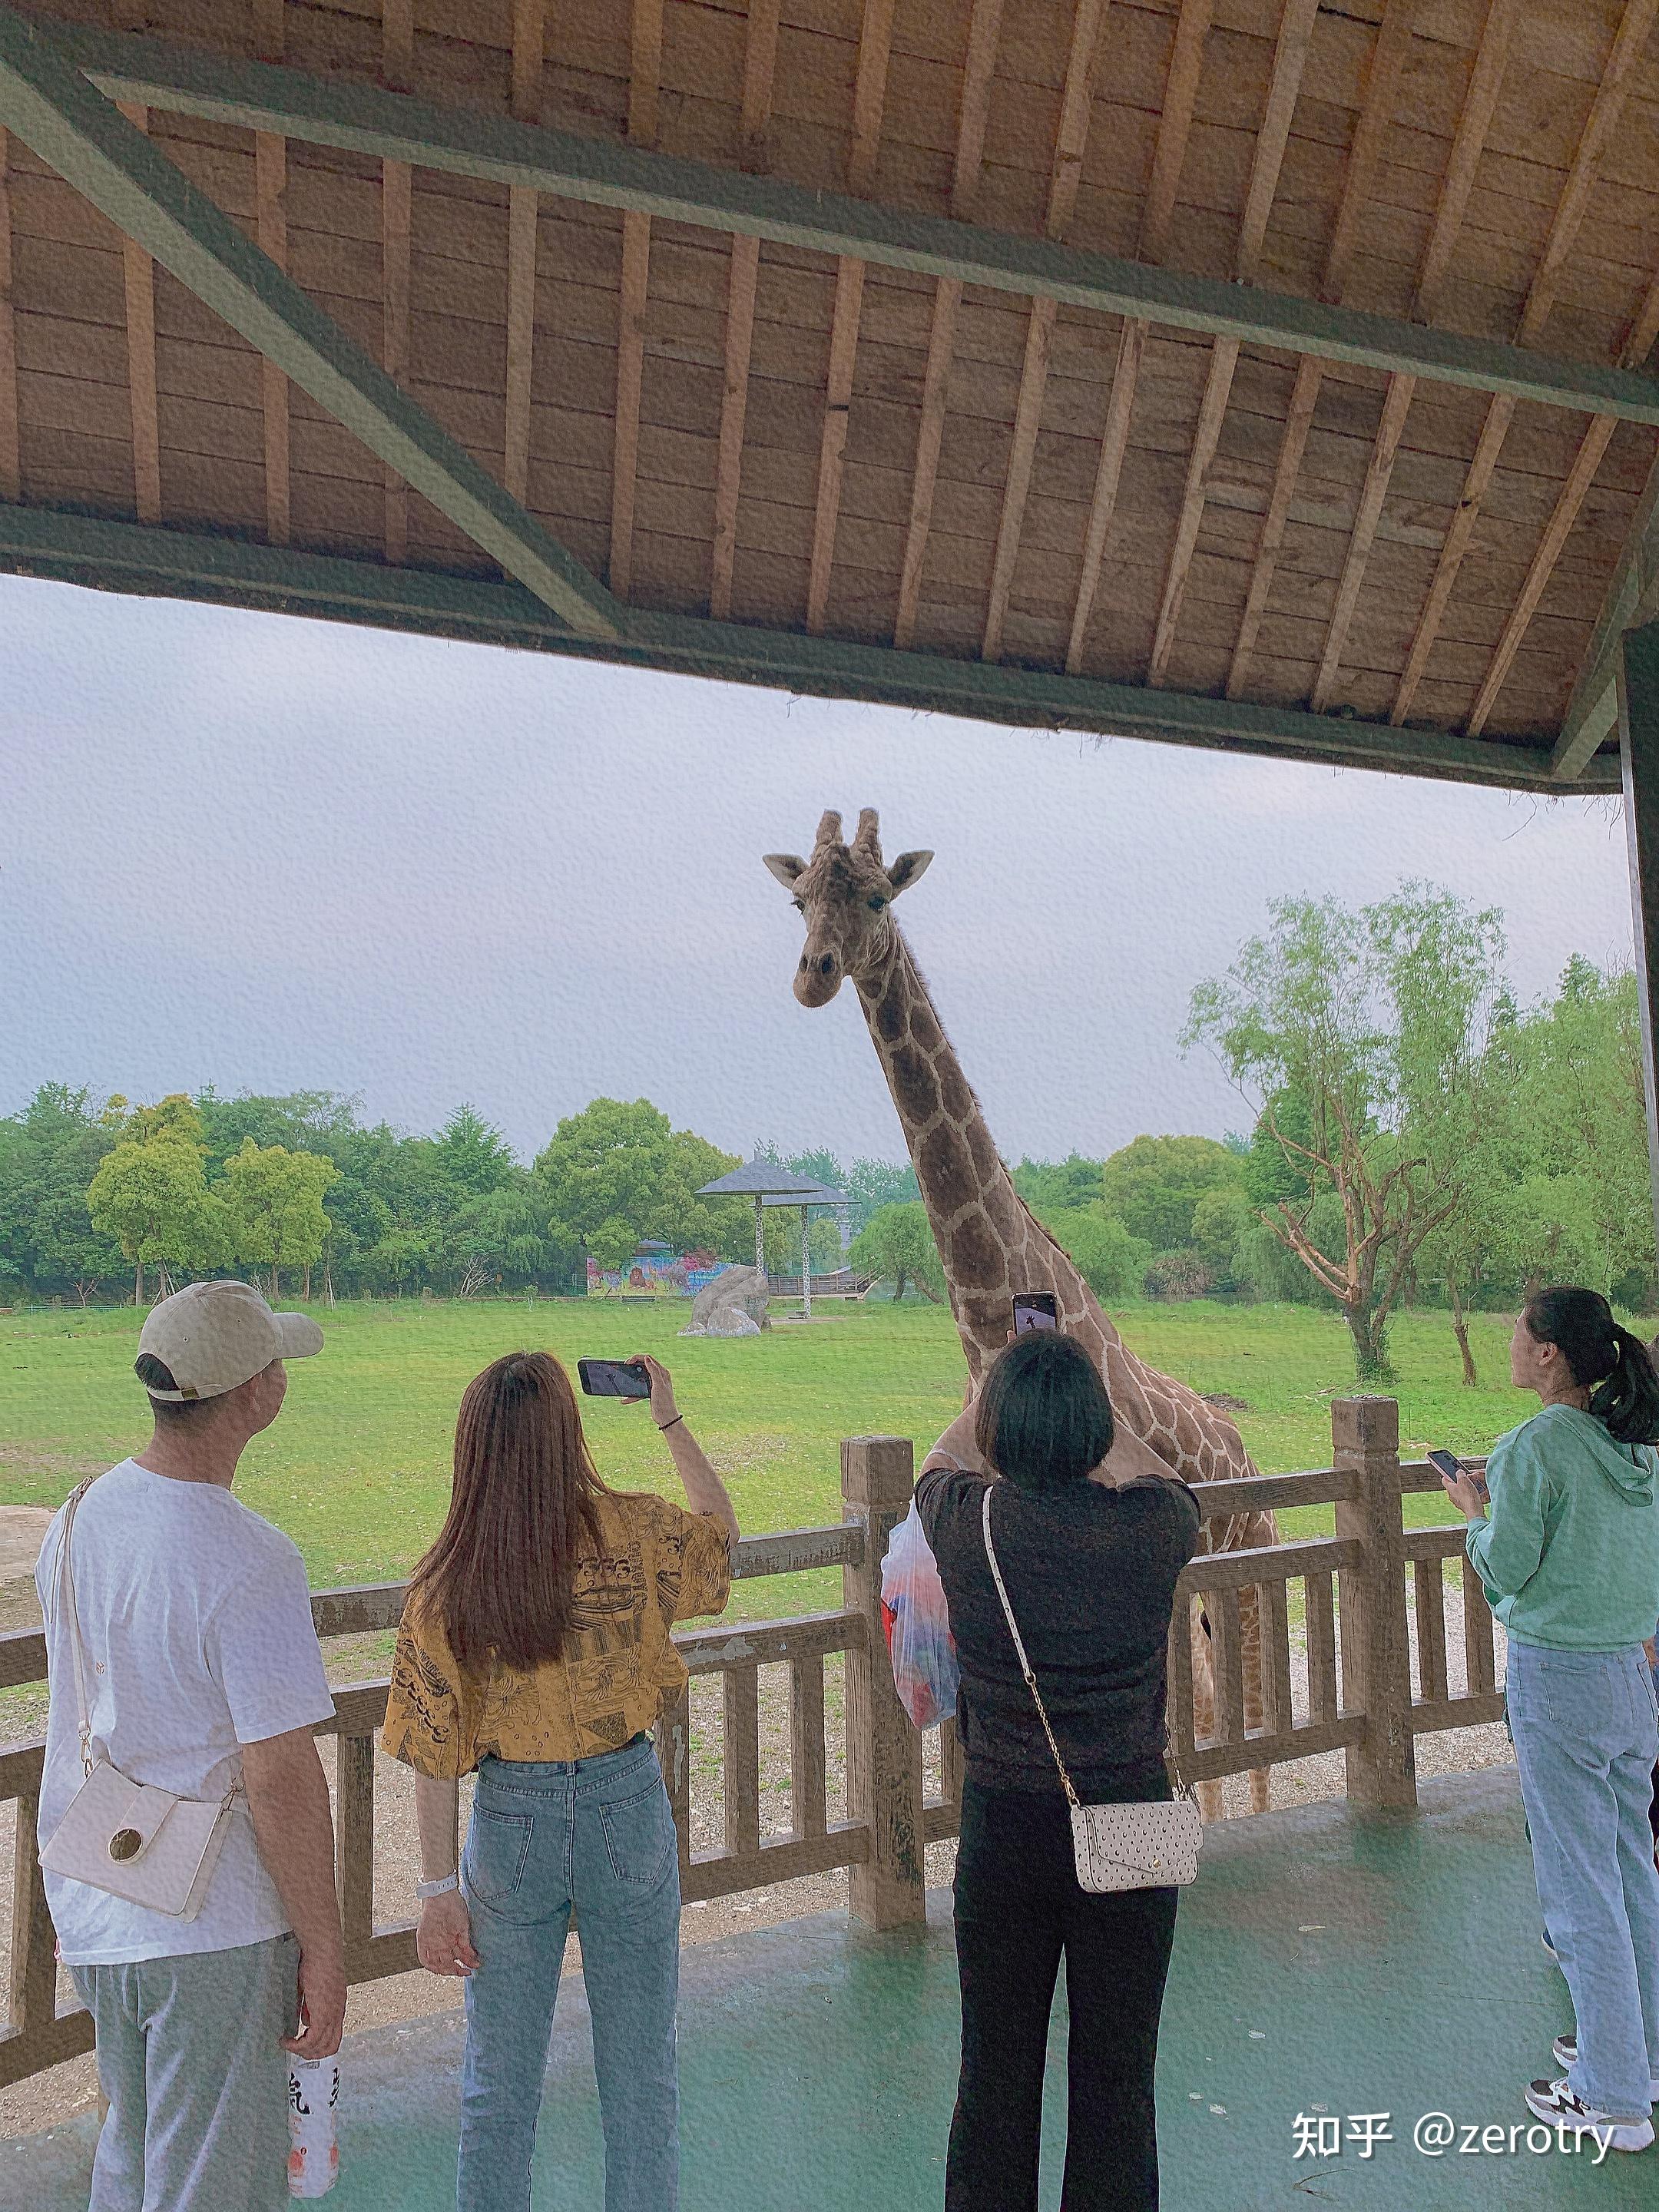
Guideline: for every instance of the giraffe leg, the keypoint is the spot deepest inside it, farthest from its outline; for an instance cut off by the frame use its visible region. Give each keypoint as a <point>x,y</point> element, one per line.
<point>1210,1802</point>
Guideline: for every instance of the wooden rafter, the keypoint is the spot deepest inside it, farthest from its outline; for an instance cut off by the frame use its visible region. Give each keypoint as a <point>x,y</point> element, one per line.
<point>270,229</point>
<point>645,78</point>
<point>869,100</point>
<point>1289,59</point>
<point>1173,128</point>
<point>10,460</point>
<point>984,29</point>
<point>1480,102</point>
<point>1629,44</point>
<point>760,65</point>
<point>138,286</point>
<point>1638,346</point>
<point>397,209</point>
<point>69,124</point>
<point>463,141</point>
<point>523,206</point>
<point>1388,61</point>
<point>1071,140</point>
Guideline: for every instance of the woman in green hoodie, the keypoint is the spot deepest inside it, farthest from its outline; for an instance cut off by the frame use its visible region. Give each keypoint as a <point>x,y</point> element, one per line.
<point>1569,1560</point>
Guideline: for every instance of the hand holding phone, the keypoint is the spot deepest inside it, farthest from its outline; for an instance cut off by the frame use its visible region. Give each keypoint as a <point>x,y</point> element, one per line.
<point>613,1379</point>
<point>1451,1467</point>
<point>1034,1309</point>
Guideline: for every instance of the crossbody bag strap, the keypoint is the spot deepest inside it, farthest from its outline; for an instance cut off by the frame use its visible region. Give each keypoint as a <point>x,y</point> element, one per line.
<point>66,1599</point>
<point>1019,1648</point>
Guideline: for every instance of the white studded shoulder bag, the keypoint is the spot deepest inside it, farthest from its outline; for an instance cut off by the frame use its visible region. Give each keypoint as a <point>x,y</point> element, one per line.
<point>137,1842</point>
<point>1153,1845</point>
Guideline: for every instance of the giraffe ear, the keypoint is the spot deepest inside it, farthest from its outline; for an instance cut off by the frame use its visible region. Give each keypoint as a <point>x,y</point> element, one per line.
<point>907,869</point>
<point>788,867</point>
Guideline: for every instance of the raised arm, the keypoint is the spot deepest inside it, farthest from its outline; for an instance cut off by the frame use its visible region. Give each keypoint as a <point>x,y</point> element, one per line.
<point>704,1491</point>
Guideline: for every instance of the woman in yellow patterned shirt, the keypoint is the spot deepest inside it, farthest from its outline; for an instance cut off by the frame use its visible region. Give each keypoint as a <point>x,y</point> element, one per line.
<point>535,1648</point>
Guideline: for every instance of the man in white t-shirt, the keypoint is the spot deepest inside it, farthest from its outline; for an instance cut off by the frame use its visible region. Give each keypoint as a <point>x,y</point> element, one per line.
<point>200,1660</point>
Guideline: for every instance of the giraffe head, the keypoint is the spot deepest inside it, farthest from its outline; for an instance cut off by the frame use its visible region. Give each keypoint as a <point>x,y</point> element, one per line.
<point>846,896</point>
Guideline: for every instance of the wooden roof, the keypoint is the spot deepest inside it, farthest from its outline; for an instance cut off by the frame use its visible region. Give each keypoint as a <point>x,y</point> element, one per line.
<point>1256,373</point>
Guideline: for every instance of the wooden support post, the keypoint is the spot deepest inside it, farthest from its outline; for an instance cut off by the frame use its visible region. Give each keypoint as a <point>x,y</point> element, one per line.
<point>353,1838</point>
<point>884,1751</point>
<point>1376,1649</point>
<point>806,1267</point>
<point>1639,742</point>
<point>33,1995</point>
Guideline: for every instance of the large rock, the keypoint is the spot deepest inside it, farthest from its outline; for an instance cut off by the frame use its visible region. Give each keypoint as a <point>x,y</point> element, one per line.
<point>742,1290</point>
<point>730,1321</point>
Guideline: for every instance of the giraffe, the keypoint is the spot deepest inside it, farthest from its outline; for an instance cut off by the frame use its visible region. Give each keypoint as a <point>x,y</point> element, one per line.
<point>989,1240</point>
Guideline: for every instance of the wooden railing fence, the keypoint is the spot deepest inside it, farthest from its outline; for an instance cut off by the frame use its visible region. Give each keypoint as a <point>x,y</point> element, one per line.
<point>1361,1592</point>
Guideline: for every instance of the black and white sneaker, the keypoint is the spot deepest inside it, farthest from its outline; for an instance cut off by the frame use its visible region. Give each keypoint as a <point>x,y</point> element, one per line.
<point>1566,2054</point>
<point>1554,2102</point>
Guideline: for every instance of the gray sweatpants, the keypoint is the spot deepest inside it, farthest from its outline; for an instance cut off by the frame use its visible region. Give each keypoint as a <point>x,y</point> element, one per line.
<point>189,2057</point>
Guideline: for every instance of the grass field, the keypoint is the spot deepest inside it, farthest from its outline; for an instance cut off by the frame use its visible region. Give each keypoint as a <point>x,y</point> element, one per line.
<point>356,1470</point>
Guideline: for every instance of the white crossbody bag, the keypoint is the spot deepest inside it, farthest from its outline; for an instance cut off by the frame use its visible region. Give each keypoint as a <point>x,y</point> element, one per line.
<point>1133,1846</point>
<point>137,1842</point>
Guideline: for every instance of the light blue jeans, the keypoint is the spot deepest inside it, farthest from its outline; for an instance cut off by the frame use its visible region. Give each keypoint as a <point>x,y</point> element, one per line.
<point>597,1833</point>
<point>1586,1730</point>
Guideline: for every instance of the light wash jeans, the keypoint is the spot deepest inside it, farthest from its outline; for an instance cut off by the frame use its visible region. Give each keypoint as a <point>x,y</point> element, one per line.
<point>1586,1730</point>
<point>597,1833</point>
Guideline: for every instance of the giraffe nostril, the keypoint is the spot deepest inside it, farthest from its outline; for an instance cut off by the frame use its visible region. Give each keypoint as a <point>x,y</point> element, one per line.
<point>827,965</point>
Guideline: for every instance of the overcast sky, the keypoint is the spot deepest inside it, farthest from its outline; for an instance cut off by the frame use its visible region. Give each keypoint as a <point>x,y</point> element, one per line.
<point>273,854</point>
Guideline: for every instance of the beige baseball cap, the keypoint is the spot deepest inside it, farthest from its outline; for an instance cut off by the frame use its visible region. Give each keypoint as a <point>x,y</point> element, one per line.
<point>214,1336</point>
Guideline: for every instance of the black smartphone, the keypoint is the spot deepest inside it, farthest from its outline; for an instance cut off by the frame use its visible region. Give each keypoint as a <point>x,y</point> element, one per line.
<point>1449,1463</point>
<point>613,1379</point>
<point>1034,1309</point>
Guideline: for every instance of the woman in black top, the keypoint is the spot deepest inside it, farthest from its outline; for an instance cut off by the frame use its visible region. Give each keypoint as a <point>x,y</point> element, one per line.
<point>1092,1531</point>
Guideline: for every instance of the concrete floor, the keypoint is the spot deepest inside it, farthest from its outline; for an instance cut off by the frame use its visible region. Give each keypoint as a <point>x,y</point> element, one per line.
<point>1382,1964</point>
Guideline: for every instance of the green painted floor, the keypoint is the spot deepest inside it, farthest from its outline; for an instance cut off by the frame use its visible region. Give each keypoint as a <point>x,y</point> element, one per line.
<point>1363,1966</point>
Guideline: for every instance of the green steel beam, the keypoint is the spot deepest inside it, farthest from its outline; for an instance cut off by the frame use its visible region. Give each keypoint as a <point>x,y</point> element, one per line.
<point>1632,599</point>
<point>54,110</point>
<point>363,119</point>
<point>131,557</point>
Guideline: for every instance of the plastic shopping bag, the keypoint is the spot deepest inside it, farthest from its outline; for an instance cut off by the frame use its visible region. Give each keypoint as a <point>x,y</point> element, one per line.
<point>918,1626</point>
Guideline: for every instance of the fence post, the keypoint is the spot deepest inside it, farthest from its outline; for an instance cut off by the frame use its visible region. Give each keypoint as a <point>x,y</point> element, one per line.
<point>1376,1649</point>
<point>883,1749</point>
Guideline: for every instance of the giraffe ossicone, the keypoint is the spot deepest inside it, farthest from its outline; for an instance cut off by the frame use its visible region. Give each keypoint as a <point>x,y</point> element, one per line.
<point>989,1242</point>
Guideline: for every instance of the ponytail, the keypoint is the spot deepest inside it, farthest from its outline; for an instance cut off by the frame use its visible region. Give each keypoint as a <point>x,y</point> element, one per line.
<point>1616,1366</point>
<point>1628,1401</point>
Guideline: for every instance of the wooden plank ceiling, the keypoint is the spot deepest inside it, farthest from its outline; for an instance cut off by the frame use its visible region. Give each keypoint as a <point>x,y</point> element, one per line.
<point>725,428</point>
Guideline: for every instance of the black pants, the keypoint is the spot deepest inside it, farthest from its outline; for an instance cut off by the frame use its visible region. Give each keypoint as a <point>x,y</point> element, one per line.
<point>1018,1907</point>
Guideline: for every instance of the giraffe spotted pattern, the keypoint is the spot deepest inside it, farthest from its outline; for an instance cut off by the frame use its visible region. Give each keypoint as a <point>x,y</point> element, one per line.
<point>988,1241</point>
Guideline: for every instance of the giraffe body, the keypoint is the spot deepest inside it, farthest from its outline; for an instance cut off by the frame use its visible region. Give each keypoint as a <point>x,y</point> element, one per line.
<point>989,1242</point>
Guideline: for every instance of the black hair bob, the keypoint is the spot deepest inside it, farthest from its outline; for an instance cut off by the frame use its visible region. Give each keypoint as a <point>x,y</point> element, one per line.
<point>1043,1419</point>
<point>1614,1365</point>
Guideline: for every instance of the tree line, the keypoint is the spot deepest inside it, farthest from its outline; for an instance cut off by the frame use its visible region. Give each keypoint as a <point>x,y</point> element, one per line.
<point>102,1199</point>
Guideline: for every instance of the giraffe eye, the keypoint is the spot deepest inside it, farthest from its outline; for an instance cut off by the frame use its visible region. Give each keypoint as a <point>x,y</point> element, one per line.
<point>877,904</point>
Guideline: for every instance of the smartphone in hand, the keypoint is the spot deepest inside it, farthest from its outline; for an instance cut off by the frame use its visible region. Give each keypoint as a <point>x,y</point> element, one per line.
<point>613,1379</point>
<point>1448,1464</point>
<point>1034,1309</point>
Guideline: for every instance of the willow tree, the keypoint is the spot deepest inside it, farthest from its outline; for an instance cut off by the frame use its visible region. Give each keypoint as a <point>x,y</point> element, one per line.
<point>1359,1037</point>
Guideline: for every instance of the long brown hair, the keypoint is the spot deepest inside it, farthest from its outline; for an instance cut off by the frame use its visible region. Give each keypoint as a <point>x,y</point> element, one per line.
<point>499,1580</point>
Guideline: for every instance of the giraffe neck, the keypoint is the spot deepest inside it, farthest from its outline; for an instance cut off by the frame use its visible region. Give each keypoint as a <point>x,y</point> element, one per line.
<point>988,1240</point>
